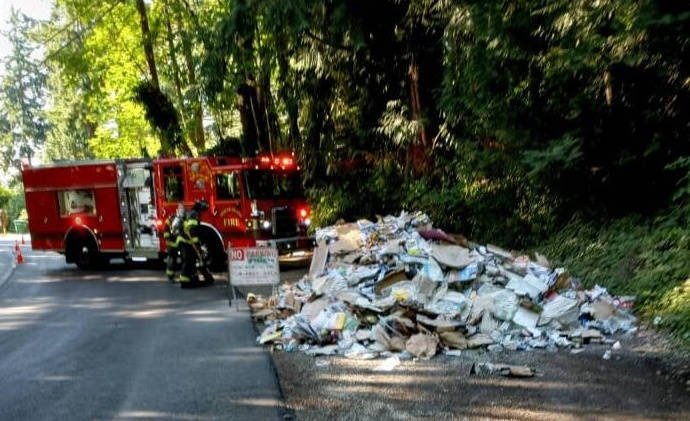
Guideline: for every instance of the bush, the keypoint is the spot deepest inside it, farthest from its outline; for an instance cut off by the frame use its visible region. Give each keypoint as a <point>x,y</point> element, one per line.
<point>506,210</point>
<point>641,256</point>
<point>13,202</point>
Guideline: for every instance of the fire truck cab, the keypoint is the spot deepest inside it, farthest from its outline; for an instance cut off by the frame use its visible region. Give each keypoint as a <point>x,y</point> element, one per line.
<point>93,211</point>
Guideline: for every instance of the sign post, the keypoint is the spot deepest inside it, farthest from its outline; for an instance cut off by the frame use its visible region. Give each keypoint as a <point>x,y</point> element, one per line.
<point>252,266</point>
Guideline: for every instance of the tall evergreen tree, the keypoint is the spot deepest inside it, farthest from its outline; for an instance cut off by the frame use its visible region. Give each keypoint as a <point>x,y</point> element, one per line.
<point>22,93</point>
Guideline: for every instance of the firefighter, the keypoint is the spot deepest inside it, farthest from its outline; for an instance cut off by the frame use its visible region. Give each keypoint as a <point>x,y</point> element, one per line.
<point>171,233</point>
<point>191,253</point>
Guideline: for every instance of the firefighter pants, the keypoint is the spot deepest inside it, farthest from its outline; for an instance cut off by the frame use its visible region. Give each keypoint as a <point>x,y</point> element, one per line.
<point>172,263</point>
<point>189,276</point>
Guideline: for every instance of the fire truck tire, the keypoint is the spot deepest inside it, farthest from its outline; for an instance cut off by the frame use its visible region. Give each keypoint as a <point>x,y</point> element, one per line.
<point>212,250</point>
<point>82,250</point>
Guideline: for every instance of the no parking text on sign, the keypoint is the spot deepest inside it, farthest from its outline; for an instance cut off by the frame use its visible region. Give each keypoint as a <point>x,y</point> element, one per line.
<point>253,266</point>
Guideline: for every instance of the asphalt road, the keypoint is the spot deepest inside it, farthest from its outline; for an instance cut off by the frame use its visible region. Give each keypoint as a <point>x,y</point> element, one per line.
<point>126,344</point>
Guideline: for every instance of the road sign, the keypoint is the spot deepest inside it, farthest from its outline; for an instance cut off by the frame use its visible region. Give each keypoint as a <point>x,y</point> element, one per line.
<point>253,266</point>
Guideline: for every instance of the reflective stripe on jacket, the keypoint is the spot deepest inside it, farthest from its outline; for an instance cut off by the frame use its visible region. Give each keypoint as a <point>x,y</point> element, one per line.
<point>189,230</point>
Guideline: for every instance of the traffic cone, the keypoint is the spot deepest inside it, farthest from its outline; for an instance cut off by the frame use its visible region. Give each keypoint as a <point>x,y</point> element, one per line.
<point>23,243</point>
<point>20,258</point>
<point>16,245</point>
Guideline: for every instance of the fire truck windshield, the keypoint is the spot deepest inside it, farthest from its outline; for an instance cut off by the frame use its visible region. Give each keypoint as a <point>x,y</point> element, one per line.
<point>267,184</point>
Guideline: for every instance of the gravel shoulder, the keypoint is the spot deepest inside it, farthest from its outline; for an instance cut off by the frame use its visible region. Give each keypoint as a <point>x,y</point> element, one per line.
<point>636,384</point>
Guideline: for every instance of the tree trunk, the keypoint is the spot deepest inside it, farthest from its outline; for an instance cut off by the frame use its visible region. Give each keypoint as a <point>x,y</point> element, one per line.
<point>173,61</point>
<point>198,113</point>
<point>313,150</point>
<point>415,101</point>
<point>417,151</point>
<point>287,95</point>
<point>268,114</point>
<point>608,87</point>
<point>176,75</point>
<point>167,149</point>
<point>265,106</point>
<point>247,105</point>
<point>148,42</point>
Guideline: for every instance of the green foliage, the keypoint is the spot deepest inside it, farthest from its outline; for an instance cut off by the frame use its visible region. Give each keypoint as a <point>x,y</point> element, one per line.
<point>682,164</point>
<point>22,122</point>
<point>5,197</point>
<point>633,256</point>
<point>396,126</point>
<point>94,54</point>
<point>459,199</point>
<point>160,112</point>
<point>591,95</point>
<point>13,202</point>
<point>328,205</point>
<point>563,153</point>
<point>227,147</point>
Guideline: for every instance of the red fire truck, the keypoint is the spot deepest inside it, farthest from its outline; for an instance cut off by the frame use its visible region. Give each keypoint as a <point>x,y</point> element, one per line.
<point>93,211</point>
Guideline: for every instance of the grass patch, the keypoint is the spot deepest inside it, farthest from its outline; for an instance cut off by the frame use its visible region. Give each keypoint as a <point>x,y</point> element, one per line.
<point>633,256</point>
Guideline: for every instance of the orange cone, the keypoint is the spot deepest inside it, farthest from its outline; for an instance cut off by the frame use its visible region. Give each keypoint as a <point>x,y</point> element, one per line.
<point>20,258</point>
<point>23,243</point>
<point>16,245</point>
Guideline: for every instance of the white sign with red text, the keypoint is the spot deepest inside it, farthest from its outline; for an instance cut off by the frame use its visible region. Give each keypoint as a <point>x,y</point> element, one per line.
<point>253,266</point>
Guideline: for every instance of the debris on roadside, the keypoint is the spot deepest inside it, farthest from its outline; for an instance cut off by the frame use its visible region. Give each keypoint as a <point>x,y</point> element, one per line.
<point>502,369</point>
<point>388,364</point>
<point>322,363</point>
<point>401,288</point>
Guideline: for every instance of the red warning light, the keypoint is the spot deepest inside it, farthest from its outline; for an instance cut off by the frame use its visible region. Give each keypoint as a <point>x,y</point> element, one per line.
<point>277,162</point>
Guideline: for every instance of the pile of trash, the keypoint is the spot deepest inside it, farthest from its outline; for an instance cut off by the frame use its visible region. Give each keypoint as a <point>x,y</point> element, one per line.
<point>401,287</point>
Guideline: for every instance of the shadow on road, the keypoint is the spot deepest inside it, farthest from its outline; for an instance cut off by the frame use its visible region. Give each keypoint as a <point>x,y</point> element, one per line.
<point>124,343</point>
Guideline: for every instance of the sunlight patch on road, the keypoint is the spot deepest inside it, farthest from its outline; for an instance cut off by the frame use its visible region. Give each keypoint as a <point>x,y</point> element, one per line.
<point>18,316</point>
<point>208,319</point>
<point>383,379</point>
<point>200,312</point>
<point>267,402</point>
<point>559,412</point>
<point>124,415</point>
<point>143,314</point>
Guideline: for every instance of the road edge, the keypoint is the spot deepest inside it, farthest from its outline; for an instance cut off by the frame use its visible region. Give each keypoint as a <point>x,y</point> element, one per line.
<point>285,412</point>
<point>8,258</point>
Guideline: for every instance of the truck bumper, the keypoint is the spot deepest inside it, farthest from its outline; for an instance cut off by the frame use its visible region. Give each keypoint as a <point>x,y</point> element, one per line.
<point>294,251</point>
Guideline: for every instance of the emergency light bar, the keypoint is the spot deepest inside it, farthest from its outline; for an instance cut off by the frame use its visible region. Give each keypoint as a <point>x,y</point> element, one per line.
<point>282,161</point>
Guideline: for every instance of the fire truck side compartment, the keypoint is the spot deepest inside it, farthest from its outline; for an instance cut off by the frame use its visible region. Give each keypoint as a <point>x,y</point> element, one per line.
<point>50,227</point>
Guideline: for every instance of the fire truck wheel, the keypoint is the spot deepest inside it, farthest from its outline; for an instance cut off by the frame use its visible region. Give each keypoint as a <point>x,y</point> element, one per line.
<point>85,254</point>
<point>212,250</point>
